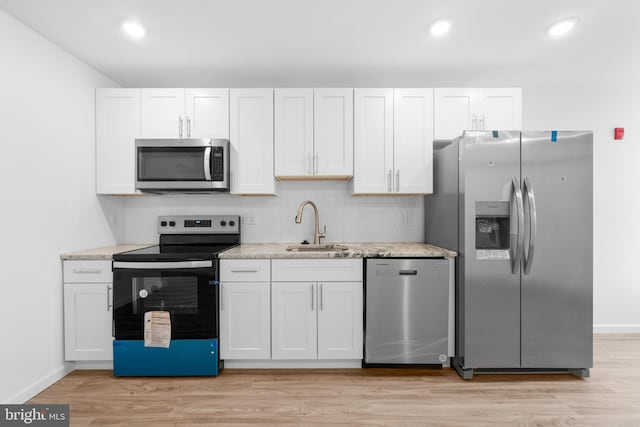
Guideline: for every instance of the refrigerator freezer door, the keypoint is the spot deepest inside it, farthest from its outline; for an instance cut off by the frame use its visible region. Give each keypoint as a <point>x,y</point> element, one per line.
<point>488,290</point>
<point>557,291</point>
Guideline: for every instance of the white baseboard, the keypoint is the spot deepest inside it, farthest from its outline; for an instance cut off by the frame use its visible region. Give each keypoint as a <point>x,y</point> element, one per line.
<point>31,390</point>
<point>94,364</point>
<point>616,328</point>
<point>293,364</point>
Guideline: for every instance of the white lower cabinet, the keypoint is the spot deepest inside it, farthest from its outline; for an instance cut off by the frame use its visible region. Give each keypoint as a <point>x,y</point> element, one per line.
<point>321,318</point>
<point>245,309</point>
<point>88,310</point>
<point>340,320</point>
<point>317,320</point>
<point>245,315</point>
<point>294,321</point>
<point>308,310</point>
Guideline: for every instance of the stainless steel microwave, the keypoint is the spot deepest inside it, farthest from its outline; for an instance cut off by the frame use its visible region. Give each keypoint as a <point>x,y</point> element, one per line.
<point>183,165</point>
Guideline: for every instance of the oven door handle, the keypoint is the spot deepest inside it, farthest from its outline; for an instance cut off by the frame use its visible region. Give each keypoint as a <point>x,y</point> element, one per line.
<point>162,265</point>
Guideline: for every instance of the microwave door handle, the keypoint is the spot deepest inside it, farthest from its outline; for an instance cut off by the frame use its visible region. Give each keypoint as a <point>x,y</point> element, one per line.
<point>207,163</point>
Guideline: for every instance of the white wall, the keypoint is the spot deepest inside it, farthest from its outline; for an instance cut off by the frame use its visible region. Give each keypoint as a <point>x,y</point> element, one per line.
<point>348,219</point>
<point>48,199</point>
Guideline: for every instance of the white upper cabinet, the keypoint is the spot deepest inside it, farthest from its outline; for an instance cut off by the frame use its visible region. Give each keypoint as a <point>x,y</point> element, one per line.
<point>163,113</point>
<point>460,109</point>
<point>333,132</point>
<point>185,113</point>
<point>393,141</point>
<point>294,132</point>
<point>251,138</point>
<point>117,127</point>
<point>207,113</point>
<point>500,109</point>
<point>314,133</point>
<point>373,136</point>
<point>413,141</point>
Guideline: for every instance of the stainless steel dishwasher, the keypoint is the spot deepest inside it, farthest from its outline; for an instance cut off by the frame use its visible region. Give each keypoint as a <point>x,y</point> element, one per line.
<point>408,311</point>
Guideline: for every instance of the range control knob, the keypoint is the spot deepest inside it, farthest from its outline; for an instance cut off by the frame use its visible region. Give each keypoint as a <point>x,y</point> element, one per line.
<point>172,223</point>
<point>223,223</point>
<point>232,223</point>
<point>163,223</point>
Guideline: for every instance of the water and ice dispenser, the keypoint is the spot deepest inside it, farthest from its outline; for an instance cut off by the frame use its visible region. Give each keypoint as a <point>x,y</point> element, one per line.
<point>492,230</point>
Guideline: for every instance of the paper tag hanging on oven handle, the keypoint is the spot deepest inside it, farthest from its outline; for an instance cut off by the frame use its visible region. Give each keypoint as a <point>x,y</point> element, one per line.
<point>157,329</point>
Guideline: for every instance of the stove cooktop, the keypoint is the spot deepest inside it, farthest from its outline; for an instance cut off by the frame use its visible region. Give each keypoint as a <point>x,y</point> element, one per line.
<point>189,238</point>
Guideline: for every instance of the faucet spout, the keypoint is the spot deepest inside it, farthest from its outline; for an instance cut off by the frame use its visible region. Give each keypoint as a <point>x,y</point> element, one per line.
<point>316,234</point>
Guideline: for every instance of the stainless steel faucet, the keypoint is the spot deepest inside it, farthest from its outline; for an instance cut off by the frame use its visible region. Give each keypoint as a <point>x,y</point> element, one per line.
<point>316,234</point>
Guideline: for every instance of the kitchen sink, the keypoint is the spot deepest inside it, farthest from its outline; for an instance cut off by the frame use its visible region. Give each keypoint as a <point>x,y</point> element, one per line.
<point>321,248</point>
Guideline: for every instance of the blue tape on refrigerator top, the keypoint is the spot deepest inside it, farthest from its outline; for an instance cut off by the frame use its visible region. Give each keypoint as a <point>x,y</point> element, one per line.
<point>554,136</point>
<point>182,358</point>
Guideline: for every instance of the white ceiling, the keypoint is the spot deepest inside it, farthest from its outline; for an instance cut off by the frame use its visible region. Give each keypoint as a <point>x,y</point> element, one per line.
<point>343,42</point>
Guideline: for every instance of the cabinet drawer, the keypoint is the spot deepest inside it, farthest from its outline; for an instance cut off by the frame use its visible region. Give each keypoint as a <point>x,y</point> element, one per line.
<point>90,271</point>
<point>317,270</point>
<point>245,270</point>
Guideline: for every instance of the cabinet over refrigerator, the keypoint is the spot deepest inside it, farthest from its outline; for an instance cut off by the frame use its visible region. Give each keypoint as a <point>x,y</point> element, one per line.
<point>518,208</point>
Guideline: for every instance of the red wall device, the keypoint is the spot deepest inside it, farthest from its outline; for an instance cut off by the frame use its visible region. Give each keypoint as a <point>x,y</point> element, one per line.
<point>618,133</point>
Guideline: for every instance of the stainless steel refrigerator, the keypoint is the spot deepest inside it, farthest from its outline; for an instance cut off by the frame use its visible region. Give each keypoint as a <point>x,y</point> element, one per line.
<point>518,208</point>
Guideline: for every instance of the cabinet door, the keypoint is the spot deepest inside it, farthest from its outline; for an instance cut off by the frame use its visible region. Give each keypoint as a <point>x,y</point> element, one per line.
<point>413,141</point>
<point>162,113</point>
<point>293,320</point>
<point>251,137</point>
<point>293,132</point>
<point>117,127</point>
<point>245,320</point>
<point>340,312</point>
<point>500,109</point>
<point>373,141</point>
<point>207,113</point>
<point>333,132</point>
<point>87,321</point>
<point>456,110</point>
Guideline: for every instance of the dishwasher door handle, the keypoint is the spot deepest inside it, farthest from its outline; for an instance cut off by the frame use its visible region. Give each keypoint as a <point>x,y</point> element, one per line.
<point>408,272</point>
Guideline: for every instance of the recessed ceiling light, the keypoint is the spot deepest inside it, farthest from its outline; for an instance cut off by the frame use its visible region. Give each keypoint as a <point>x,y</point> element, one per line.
<point>440,27</point>
<point>562,27</point>
<point>133,30</point>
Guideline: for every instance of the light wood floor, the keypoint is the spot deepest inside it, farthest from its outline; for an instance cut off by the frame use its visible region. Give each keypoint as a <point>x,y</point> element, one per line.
<point>611,397</point>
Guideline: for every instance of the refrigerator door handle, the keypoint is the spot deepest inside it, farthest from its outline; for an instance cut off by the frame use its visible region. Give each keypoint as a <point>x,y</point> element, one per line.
<point>515,262</point>
<point>533,223</point>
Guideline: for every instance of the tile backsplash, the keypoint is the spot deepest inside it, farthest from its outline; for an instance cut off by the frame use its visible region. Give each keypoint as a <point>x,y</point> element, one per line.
<point>271,218</point>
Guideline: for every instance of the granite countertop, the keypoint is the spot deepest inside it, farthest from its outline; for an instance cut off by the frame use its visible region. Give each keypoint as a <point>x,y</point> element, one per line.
<point>356,250</point>
<point>103,253</point>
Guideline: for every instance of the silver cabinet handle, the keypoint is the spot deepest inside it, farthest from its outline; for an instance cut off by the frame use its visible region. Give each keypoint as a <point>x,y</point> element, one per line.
<point>310,164</point>
<point>188,127</point>
<point>397,180</point>
<point>315,164</point>
<point>389,175</point>
<point>321,297</point>
<point>515,262</point>
<point>87,270</point>
<point>221,296</point>
<point>180,127</point>
<point>244,271</point>
<point>312,289</point>
<point>482,123</point>
<point>474,122</point>
<point>109,304</point>
<point>533,224</point>
<point>207,163</point>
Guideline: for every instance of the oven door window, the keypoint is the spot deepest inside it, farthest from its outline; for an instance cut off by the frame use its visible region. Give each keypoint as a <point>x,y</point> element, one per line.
<point>171,164</point>
<point>190,295</point>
